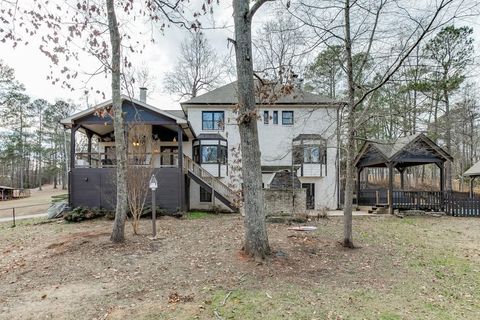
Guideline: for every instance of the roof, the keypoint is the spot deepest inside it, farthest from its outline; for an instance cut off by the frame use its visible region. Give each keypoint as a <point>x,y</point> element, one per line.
<point>390,151</point>
<point>210,136</point>
<point>474,170</point>
<point>177,115</point>
<point>308,136</point>
<point>227,94</point>
<point>8,188</point>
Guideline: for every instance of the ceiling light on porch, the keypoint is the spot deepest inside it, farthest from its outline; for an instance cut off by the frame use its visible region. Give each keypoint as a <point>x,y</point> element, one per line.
<point>174,139</point>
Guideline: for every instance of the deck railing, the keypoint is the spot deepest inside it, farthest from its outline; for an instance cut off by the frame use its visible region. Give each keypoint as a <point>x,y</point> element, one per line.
<point>108,159</point>
<point>211,180</point>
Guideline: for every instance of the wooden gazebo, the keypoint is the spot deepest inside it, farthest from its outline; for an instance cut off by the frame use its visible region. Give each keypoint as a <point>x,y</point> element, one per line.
<point>472,173</point>
<point>409,151</point>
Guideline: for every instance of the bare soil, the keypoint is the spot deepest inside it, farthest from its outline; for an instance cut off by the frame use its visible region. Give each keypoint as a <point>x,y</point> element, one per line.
<point>411,268</point>
<point>38,202</point>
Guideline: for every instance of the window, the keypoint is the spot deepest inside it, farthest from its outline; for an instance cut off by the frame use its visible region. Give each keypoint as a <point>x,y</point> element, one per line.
<point>287,117</point>
<point>275,117</point>
<point>266,117</point>
<point>213,120</point>
<point>205,195</point>
<point>211,154</point>
<point>309,154</point>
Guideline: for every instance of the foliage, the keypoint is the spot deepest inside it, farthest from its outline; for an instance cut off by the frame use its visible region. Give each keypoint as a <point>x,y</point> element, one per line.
<point>81,213</point>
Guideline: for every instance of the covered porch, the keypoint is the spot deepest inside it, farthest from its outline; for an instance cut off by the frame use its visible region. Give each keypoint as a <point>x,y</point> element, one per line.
<point>155,139</point>
<point>406,152</point>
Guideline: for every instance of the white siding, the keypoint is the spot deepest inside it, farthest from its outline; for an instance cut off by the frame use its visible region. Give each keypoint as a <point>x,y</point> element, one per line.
<point>276,141</point>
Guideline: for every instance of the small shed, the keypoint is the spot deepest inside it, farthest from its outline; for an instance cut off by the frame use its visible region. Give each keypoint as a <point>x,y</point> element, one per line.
<point>6,193</point>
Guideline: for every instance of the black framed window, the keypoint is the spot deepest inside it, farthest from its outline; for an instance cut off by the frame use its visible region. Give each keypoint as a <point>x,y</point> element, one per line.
<point>275,117</point>
<point>266,117</point>
<point>211,154</point>
<point>309,154</point>
<point>205,195</point>
<point>287,117</point>
<point>213,120</point>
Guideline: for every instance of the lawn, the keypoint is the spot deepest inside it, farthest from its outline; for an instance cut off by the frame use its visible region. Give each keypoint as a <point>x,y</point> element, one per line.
<point>411,268</point>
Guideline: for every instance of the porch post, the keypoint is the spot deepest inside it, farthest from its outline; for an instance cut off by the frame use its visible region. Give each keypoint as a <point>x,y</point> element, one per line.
<point>89,147</point>
<point>180,167</point>
<point>359,173</point>
<point>72,145</point>
<point>390,187</point>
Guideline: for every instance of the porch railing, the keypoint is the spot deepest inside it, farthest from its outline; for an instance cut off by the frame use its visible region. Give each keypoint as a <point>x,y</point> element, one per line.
<point>108,160</point>
<point>211,180</point>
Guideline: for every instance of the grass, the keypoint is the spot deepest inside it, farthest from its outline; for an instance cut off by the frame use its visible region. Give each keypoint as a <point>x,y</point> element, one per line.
<point>412,268</point>
<point>192,215</point>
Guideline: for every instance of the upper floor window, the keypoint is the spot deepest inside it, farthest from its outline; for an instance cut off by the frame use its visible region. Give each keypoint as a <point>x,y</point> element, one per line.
<point>275,117</point>
<point>213,120</point>
<point>266,117</point>
<point>287,117</point>
<point>309,154</point>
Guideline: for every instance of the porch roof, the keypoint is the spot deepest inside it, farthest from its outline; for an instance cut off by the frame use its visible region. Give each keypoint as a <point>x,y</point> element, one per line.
<point>142,113</point>
<point>407,151</point>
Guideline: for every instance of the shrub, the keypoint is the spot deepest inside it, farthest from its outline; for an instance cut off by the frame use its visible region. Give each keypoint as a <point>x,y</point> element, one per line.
<point>81,213</point>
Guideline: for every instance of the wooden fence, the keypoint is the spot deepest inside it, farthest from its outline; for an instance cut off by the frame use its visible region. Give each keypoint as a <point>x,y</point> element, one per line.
<point>458,204</point>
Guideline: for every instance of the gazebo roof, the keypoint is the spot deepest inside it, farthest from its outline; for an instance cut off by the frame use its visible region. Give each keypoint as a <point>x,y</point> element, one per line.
<point>407,151</point>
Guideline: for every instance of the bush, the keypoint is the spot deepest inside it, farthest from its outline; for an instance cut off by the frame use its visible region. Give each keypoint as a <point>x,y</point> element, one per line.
<point>81,213</point>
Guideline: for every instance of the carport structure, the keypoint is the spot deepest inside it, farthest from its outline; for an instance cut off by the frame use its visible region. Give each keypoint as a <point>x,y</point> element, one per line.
<point>409,151</point>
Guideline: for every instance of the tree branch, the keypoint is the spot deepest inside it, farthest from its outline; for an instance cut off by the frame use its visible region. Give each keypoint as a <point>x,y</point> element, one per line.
<point>255,7</point>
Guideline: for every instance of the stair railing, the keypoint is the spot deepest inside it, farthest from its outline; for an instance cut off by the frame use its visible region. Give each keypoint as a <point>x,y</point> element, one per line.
<point>211,180</point>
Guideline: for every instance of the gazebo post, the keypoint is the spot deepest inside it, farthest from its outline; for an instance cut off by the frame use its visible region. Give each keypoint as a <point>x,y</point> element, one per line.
<point>359,171</point>
<point>442,176</point>
<point>390,187</point>
<point>471,186</point>
<point>402,178</point>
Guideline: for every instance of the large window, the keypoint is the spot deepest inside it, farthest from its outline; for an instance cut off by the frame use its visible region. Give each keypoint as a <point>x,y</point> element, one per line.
<point>210,154</point>
<point>213,120</point>
<point>287,117</point>
<point>309,154</point>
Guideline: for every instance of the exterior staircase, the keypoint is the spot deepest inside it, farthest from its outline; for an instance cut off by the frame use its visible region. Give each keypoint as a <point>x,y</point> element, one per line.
<point>211,183</point>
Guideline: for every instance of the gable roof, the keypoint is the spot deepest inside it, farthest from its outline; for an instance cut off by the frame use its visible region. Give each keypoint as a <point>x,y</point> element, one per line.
<point>474,170</point>
<point>227,94</point>
<point>390,151</point>
<point>177,115</point>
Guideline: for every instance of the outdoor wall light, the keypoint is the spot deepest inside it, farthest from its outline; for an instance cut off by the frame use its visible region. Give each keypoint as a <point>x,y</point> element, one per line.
<point>85,179</point>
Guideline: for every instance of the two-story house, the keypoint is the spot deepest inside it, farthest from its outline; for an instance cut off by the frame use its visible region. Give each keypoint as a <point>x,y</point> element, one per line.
<point>297,132</point>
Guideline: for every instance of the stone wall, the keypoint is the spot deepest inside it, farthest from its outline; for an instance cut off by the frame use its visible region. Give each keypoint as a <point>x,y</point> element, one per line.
<point>284,202</point>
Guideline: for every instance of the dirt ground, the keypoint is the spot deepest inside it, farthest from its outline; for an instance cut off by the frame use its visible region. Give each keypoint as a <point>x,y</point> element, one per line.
<point>411,268</point>
<point>38,202</point>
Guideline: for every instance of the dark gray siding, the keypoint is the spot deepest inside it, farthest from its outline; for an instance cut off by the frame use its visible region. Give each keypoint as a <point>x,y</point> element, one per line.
<point>95,187</point>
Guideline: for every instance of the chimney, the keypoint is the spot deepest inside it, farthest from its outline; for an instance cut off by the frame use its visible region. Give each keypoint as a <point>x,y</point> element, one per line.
<point>143,94</point>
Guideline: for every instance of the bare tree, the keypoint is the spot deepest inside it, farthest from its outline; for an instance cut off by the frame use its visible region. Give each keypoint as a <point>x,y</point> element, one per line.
<point>256,239</point>
<point>197,70</point>
<point>279,48</point>
<point>366,27</point>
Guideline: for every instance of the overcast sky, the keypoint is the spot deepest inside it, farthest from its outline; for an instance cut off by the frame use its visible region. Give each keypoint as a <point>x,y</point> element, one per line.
<point>31,66</point>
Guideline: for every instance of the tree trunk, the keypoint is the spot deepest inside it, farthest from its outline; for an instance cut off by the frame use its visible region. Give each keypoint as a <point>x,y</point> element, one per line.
<point>39,177</point>
<point>256,239</point>
<point>448,138</point>
<point>350,152</point>
<point>118,232</point>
